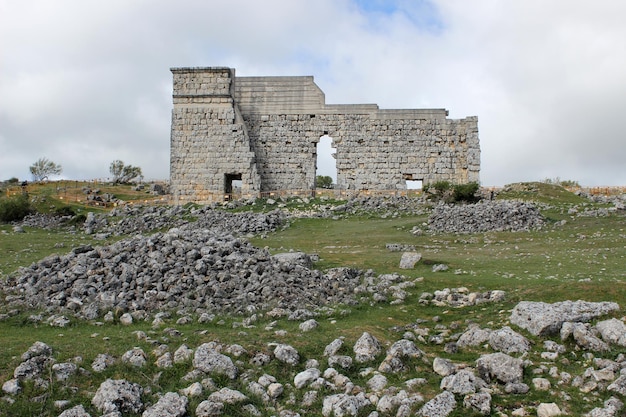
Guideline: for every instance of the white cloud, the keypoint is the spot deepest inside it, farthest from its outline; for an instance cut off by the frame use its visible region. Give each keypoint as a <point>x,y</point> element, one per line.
<point>84,83</point>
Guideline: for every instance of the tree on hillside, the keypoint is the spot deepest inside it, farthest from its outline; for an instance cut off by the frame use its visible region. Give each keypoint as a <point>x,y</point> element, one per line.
<point>43,168</point>
<point>323,181</point>
<point>123,174</point>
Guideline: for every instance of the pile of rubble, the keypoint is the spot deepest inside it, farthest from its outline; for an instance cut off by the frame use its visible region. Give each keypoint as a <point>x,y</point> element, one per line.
<point>485,216</point>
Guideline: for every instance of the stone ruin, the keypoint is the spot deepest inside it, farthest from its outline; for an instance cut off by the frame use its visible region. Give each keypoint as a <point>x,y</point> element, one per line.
<point>258,135</point>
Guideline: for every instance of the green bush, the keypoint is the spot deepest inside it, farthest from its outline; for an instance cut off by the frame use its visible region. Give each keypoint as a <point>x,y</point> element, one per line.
<point>64,211</point>
<point>14,208</point>
<point>466,192</point>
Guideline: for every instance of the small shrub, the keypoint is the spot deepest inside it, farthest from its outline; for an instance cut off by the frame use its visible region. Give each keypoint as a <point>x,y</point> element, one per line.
<point>14,208</point>
<point>466,192</point>
<point>13,181</point>
<point>64,211</point>
<point>78,219</point>
<point>441,186</point>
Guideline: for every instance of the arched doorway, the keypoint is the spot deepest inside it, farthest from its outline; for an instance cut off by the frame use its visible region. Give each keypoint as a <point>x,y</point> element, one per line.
<point>326,164</point>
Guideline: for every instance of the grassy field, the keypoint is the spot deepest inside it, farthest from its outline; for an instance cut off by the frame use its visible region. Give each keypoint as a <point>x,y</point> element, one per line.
<point>582,258</point>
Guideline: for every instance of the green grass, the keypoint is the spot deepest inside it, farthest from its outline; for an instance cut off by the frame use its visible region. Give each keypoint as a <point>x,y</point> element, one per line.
<point>581,259</point>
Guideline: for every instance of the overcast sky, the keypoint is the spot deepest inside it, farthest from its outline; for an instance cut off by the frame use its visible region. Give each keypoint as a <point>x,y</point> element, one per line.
<point>86,82</point>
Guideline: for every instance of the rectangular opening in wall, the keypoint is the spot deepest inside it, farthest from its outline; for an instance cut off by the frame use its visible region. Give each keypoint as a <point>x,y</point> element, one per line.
<point>232,186</point>
<point>413,184</point>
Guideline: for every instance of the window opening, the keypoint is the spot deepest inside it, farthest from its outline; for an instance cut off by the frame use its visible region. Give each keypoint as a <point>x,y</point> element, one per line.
<point>413,184</point>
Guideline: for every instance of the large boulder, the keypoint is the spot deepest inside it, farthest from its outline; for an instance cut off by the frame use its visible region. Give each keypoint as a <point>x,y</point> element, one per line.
<point>543,319</point>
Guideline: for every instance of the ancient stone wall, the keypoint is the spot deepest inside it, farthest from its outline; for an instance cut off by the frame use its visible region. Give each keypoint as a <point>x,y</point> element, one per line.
<point>263,133</point>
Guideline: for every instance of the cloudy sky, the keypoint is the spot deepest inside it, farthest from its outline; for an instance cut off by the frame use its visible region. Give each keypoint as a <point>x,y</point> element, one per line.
<point>85,82</point>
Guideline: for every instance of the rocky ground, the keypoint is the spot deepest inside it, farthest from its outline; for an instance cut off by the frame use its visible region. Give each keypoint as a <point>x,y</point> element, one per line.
<point>190,271</point>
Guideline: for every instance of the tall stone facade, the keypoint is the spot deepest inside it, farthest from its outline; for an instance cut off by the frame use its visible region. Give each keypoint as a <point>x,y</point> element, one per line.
<point>261,133</point>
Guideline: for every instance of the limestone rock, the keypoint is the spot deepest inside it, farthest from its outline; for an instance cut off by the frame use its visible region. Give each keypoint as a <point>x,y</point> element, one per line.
<point>473,336</point>
<point>208,360</point>
<point>306,377</point>
<point>366,348</point>
<point>11,386</point>
<point>548,410</point>
<point>508,341</point>
<point>135,357</point>
<point>227,396</point>
<point>169,405</point>
<point>480,402</point>
<point>287,354</point>
<point>612,331</point>
<point>440,406</point>
<point>101,362</point>
<point>462,383</point>
<point>500,367</point>
<point>443,367</point>
<point>343,405</point>
<point>333,347</point>
<point>543,319</point>
<point>77,411</point>
<point>409,259</point>
<point>115,395</point>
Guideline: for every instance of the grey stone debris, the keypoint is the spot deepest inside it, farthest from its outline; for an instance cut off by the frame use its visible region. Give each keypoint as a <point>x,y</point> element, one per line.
<point>333,347</point>
<point>402,349</point>
<point>227,396</point>
<point>76,411</point>
<point>543,319</point>
<point>480,402</point>
<point>548,410</point>
<point>343,405</point>
<point>612,331</point>
<point>209,360</point>
<point>183,354</point>
<point>169,405</point>
<point>209,409</point>
<point>508,341</point>
<point>201,252</point>
<point>612,408</point>
<point>366,348</point>
<point>63,371</point>
<point>440,406</point>
<point>377,383</point>
<point>462,383</point>
<point>101,362</point>
<point>11,386</point>
<point>409,260</point>
<point>485,216</point>
<point>306,377</point>
<point>443,367</point>
<point>619,385</point>
<point>287,354</point>
<point>500,367</point>
<point>473,336</point>
<point>583,336</point>
<point>136,357</point>
<point>308,325</point>
<point>116,395</point>
<point>399,247</point>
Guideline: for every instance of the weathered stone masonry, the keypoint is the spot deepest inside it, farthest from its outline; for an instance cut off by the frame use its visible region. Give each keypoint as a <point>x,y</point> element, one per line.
<point>264,132</point>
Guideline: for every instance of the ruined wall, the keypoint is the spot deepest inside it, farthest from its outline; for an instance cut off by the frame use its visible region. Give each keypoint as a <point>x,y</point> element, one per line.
<point>265,130</point>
